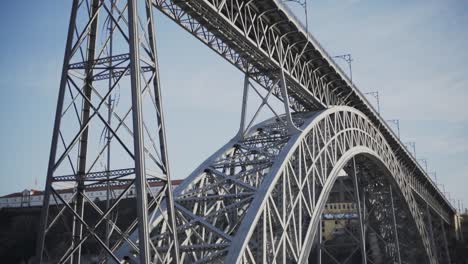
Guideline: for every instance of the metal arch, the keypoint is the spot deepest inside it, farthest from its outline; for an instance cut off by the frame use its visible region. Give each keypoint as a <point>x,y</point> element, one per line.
<point>332,81</point>
<point>219,205</point>
<point>275,138</point>
<point>218,211</point>
<point>347,157</point>
<point>266,12</point>
<point>240,250</point>
<point>255,54</point>
<point>263,141</point>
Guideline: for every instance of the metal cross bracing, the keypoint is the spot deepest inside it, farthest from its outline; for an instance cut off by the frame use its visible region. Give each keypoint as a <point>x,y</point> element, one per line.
<point>261,197</point>
<point>380,230</point>
<point>263,39</point>
<point>109,97</point>
<point>220,195</point>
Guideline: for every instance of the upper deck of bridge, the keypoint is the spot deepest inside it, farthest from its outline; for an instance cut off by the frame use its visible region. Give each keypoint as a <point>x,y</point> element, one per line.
<point>254,28</point>
<point>298,33</point>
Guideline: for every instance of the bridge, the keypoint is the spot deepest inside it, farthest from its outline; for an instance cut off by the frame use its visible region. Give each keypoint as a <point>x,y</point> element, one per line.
<point>264,197</point>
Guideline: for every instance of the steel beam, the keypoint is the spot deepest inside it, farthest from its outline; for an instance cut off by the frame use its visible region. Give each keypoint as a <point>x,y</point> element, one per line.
<point>362,232</point>
<point>260,37</point>
<point>55,136</point>
<point>86,133</point>
<point>395,229</point>
<point>275,194</point>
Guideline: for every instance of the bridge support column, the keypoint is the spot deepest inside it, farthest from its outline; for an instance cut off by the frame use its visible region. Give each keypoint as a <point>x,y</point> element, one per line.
<point>79,207</point>
<point>95,70</point>
<point>362,232</point>
<point>457,227</point>
<point>431,229</point>
<point>395,230</point>
<point>319,243</point>
<point>245,98</point>
<point>444,234</point>
<point>244,126</point>
<point>287,109</point>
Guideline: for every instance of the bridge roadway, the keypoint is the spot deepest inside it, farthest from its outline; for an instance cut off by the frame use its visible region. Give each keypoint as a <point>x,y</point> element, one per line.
<point>262,38</point>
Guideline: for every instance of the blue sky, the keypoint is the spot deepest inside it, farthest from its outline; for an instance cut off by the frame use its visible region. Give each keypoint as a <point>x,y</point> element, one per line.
<point>412,52</point>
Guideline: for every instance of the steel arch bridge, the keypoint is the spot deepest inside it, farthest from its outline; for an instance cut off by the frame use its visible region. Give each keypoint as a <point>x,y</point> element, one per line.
<point>268,194</point>
<point>260,198</point>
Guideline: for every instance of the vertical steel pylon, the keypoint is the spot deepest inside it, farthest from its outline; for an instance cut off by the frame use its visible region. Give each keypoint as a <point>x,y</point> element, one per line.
<point>109,96</point>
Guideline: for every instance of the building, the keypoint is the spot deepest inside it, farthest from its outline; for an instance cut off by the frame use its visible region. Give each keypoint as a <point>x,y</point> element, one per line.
<point>337,218</point>
<point>340,217</point>
<point>33,198</point>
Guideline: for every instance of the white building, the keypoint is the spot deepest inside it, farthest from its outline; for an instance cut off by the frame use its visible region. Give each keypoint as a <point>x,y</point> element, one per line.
<point>31,198</point>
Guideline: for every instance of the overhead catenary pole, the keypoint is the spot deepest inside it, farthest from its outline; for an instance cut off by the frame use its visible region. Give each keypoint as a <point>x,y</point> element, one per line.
<point>377,99</point>
<point>424,161</point>
<point>434,173</point>
<point>412,145</point>
<point>348,59</point>
<point>396,122</point>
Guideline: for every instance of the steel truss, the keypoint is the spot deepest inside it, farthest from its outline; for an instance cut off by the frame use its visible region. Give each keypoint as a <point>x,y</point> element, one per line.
<point>261,197</point>
<point>264,40</point>
<point>109,96</point>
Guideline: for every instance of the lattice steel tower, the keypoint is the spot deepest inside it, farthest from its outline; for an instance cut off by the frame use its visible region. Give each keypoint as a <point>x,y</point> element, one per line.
<point>109,99</point>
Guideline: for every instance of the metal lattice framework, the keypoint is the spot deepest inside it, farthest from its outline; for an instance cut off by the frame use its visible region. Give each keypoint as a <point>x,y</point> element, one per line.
<point>263,39</point>
<point>260,199</point>
<point>110,76</point>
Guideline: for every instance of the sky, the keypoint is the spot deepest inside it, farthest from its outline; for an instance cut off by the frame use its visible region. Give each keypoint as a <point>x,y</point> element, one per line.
<point>412,52</point>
